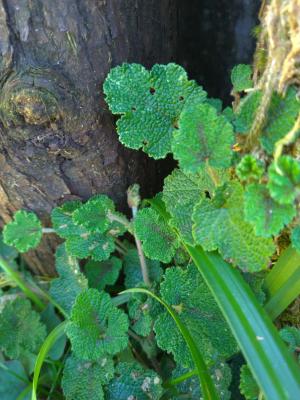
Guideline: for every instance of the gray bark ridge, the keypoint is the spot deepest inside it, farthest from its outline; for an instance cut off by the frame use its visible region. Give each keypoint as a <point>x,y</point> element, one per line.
<point>57,138</point>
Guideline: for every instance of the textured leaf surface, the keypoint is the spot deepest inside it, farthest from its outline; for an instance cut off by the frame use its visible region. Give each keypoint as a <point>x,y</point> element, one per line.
<point>62,221</point>
<point>151,102</point>
<point>93,214</point>
<point>219,224</point>
<point>186,293</point>
<point>101,274</point>
<point>24,232</point>
<point>266,215</point>
<point>70,282</point>
<point>134,382</point>
<point>190,389</point>
<point>181,193</point>
<point>282,116</point>
<point>203,137</point>
<point>96,245</point>
<point>17,320</point>
<point>13,380</point>
<point>241,77</point>
<point>9,253</point>
<point>284,180</point>
<point>133,273</point>
<point>291,335</point>
<point>83,380</point>
<point>246,110</point>
<point>249,168</point>
<point>140,314</point>
<point>158,240</point>
<point>248,386</point>
<point>295,237</point>
<point>96,326</point>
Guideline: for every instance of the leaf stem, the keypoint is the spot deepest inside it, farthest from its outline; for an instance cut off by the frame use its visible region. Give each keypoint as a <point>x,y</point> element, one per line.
<point>16,277</point>
<point>141,255</point>
<point>175,381</point>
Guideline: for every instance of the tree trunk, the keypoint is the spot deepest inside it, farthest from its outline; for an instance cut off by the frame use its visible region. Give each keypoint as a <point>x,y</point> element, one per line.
<point>57,138</point>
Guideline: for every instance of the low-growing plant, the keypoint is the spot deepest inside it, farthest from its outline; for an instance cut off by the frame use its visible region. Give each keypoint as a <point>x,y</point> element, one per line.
<point>160,304</point>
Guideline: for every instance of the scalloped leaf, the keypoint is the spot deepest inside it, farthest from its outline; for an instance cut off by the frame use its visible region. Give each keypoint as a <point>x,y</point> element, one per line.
<point>24,232</point>
<point>219,224</point>
<point>248,386</point>
<point>70,282</point>
<point>266,215</point>
<point>17,319</point>
<point>245,113</point>
<point>203,137</point>
<point>150,103</point>
<point>241,77</point>
<point>134,382</point>
<point>186,292</point>
<point>158,240</point>
<point>284,180</point>
<point>181,193</point>
<point>62,221</point>
<point>96,326</point>
<point>249,168</point>
<point>84,380</point>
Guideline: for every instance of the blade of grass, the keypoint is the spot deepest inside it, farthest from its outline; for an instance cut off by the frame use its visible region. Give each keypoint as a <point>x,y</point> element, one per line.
<point>271,364</point>
<point>282,284</point>
<point>50,340</point>
<point>206,383</point>
<point>16,277</point>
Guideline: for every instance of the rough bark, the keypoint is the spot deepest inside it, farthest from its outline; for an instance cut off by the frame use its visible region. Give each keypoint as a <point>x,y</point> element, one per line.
<point>57,140</point>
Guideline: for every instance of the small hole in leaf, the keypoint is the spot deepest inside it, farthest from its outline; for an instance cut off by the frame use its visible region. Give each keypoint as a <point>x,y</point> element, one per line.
<point>152,90</point>
<point>133,109</point>
<point>145,142</point>
<point>175,125</point>
<point>207,194</point>
<point>181,98</point>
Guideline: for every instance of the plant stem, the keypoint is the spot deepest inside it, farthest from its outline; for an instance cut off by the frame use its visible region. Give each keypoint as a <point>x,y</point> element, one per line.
<point>175,381</point>
<point>142,258</point>
<point>16,277</point>
<point>121,245</point>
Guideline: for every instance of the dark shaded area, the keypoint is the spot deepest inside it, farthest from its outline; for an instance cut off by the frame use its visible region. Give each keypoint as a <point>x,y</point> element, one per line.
<point>215,35</point>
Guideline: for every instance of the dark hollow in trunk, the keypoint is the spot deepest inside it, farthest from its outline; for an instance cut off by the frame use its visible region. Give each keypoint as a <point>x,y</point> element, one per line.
<point>57,137</point>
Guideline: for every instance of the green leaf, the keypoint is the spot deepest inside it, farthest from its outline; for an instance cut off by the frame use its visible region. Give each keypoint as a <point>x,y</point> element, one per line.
<point>62,221</point>
<point>93,214</point>
<point>141,318</point>
<point>101,274</point>
<point>282,284</point>
<point>95,245</point>
<point>208,389</point>
<point>291,335</point>
<point>257,337</point>
<point>134,382</point>
<point>96,326</point>
<point>24,232</point>
<point>49,342</point>
<point>216,103</point>
<point>8,253</point>
<point>83,380</point>
<point>248,386</point>
<point>70,282</point>
<point>17,319</point>
<point>190,389</point>
<point>249,168</point>
<point>13,380</point>
<point>295,238</point>
<point>282,115</point>
<point>158,240</point>
<point>150,103</point>
<point>186,292</point>
<point>133,273</point>
<point>181,193</point>
<point>203,137</point>
<point>51,320</point>
<point>284,179</point>
<point>241,77</point>
<point>246,111</point>
<point>219,224</point>
<point>266,215</point>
